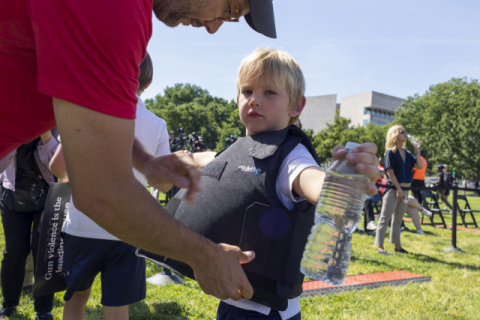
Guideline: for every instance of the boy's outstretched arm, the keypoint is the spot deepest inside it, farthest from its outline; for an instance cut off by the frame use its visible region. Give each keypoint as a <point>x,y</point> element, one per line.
<point>199,159</point>
<point>309,182</point>
<point>57,165</point>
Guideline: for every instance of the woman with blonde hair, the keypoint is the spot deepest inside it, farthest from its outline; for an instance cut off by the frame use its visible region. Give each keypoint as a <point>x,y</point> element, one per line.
<point>399,164</point>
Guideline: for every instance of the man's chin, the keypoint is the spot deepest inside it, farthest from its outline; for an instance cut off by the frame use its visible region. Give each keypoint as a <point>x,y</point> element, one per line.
<point>167,20</point>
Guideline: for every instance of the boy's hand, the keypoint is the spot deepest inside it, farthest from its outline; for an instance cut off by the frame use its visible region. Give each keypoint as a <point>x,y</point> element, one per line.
<point>366,160</point>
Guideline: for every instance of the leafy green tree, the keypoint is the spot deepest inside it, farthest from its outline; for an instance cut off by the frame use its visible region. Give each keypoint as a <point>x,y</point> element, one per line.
<point>446,119</point>
<point>195,110</point>
<point>339,133</point>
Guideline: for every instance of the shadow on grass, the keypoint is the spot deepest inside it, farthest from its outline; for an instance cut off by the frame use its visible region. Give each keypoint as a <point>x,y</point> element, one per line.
<point>424,258</point>
<point>158,310</point>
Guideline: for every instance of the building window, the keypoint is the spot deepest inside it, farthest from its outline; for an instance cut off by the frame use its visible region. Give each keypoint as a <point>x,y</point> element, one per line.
<point>379,122</point>
<point>368,110</point>
<point>365,122</point>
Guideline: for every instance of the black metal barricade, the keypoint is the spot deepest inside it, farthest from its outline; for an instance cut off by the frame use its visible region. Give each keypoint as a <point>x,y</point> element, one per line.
<point>455,208</point>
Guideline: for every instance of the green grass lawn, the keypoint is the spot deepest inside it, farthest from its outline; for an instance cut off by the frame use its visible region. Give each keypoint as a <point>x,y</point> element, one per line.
<point>453,293</point>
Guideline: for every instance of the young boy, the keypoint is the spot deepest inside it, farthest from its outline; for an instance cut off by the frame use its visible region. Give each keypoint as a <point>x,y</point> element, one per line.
<point>89,249</point>
<point>253,193</point>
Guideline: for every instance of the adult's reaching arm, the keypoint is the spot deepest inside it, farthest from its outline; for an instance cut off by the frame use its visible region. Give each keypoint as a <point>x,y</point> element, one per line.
<point>98,154</point>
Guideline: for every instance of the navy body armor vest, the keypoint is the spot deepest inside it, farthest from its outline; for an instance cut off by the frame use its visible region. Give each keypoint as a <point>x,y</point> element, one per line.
<point>238,205</point>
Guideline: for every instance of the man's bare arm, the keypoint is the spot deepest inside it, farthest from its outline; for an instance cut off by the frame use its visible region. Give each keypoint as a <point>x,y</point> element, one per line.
<point>98,154</point>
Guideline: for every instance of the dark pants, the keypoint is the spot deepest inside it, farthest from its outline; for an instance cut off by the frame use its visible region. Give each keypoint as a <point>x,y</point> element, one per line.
<point>370,215</point>
<point>226,311</point>
<point>418,194</point>
<point>17,228</point>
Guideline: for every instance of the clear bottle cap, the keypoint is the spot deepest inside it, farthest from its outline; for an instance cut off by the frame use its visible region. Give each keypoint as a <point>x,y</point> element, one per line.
<point>352,145</point>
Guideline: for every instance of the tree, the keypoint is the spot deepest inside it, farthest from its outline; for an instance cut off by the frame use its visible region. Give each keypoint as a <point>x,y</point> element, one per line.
<point>195,110</point>
<point>446,119</point>
<point>340,132</point>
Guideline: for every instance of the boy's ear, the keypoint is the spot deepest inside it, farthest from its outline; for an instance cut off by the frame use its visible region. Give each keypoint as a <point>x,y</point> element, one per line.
<point>298,108</point>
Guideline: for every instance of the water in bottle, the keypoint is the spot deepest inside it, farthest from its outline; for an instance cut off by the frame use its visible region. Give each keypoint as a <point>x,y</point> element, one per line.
<point>414,141</point>
<point>338,212</point>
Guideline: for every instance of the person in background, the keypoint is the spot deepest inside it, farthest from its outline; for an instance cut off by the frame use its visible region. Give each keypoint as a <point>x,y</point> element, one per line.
<point>448,177</point>
<point>374,200</point>
<point>199,145</point>
<point>173,141</point>
<point>419,179</point>
<point>399,163</point>
<point>413,210</point>
<point>24,186</point>
<point>441,183</point>
<point>464,185</point>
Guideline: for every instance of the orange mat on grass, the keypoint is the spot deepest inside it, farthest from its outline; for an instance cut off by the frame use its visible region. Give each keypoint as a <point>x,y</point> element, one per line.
<point>362,279</point>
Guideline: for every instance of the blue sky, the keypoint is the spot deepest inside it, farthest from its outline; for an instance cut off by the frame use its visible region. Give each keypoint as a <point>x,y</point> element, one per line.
<point>344,47</point>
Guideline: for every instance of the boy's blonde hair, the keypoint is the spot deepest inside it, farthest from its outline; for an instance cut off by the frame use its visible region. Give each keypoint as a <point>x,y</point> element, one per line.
<point>274,66</point>
<point>392,136</point>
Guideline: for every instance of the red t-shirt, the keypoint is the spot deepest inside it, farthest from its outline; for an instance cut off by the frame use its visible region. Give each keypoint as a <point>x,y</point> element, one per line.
<point>86,52</point>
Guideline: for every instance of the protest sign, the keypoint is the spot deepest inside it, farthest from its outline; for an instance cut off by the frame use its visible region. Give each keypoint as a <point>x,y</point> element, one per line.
<point>49,273</point>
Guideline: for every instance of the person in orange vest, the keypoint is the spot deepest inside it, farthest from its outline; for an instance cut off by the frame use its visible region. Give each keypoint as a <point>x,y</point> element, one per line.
<point>419,179</point>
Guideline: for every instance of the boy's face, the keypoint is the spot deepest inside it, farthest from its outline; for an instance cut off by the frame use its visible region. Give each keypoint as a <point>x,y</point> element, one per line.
<point>264,106</point>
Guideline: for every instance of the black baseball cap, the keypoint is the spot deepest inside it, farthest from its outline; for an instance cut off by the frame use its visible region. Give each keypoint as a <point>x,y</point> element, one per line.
<point>261,17</point>
<point>440,166</point>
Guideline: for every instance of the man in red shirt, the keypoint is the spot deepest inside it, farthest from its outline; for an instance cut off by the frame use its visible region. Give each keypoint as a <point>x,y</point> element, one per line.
<point>74,65</point>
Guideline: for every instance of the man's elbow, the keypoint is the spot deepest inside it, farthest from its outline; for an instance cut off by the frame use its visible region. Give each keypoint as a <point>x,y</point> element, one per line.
<point>93,206</point>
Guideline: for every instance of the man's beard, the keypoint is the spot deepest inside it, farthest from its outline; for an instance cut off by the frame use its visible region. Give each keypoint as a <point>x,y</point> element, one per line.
<point>171,12</point>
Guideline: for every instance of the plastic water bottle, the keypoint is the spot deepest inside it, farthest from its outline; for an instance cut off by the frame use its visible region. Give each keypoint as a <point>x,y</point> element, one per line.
<point>414,141</point>
<point>338,212</point>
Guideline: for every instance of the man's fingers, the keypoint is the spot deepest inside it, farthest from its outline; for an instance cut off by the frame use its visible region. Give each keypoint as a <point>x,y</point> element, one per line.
<point>194,180</point>
<point>246,257</point>
<point>172,177</point>
<point>245,289</point>
<point>237,296</point>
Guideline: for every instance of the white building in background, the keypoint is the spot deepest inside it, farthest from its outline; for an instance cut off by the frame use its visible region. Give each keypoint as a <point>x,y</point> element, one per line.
<point>361,108</point>
<point>319,111</point>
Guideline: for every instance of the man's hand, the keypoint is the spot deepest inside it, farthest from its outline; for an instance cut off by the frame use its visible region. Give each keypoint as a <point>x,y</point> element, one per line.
<point>222,276</point>
<point>367,162</point>
<point>177,168</point>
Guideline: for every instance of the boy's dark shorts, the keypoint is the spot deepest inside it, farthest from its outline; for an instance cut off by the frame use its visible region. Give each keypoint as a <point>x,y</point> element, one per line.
<point>226,311</point>
<point>123,273</point>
